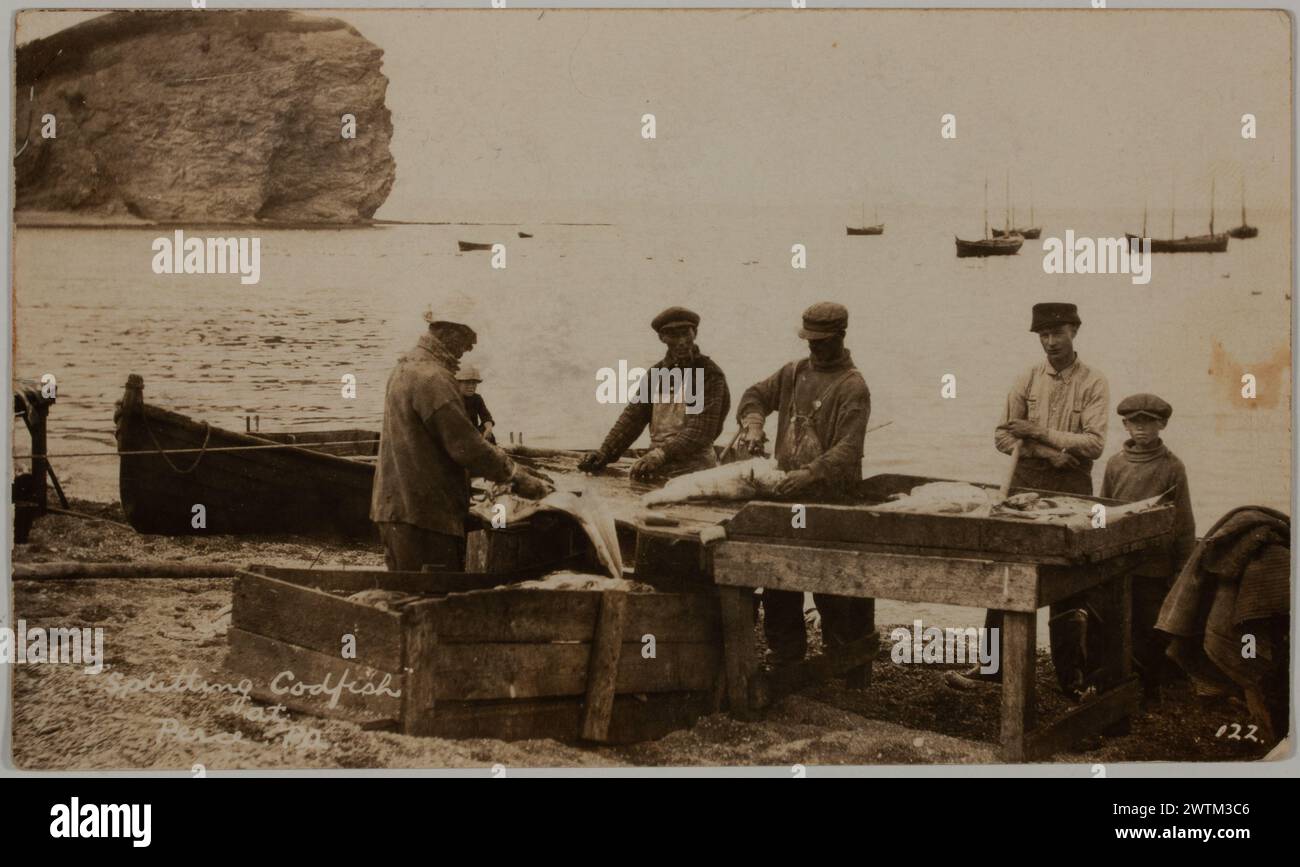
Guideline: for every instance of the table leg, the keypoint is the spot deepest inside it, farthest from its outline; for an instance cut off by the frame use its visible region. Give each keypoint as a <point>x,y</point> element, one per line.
<point>737,608</point>
<point>860,677</point>
<point>1017,641</point>
<point>1118,659</point>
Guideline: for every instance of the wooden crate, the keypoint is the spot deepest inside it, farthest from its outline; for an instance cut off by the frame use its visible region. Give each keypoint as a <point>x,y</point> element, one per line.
<point>490,663</point>
<point>949,535</point>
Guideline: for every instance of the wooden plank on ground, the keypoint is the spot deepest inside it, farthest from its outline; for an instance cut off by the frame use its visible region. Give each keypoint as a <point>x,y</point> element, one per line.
<point>602,667</point>
<point>1090,718</point>
<point>315,620</point>
<point>311,682</point>
<point>1018,693</point>
<point>475,672</point>
<point>950,580</point>
<point>527,615</point>
<point>354,580</point>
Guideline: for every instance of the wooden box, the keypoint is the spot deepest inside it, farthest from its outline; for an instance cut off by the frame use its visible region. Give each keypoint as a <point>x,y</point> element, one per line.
<point>997,538</point>
<point>491,663</point>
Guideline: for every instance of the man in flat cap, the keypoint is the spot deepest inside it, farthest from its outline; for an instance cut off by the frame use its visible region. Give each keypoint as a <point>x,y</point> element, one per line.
<point>822,405</point>
<point>427,452</point>
<point>681,436</point>
<point>1056,413</point>
<point>1147,468</point>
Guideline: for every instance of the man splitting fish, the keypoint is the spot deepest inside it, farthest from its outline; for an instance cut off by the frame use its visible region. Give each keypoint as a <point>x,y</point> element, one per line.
<point>822,405</point>
<point>681,441</point>
<point>428,450</point>
<point>1054,425</point>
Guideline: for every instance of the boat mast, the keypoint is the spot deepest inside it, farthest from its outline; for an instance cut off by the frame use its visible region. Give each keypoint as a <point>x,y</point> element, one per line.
<point>1144,218</point>
<point>986,206</point>
<point>1171,211</point>
<point>1031,204</point>
<point>1243,200</point>
<point>1211,206</point>
<point>1008,209</point>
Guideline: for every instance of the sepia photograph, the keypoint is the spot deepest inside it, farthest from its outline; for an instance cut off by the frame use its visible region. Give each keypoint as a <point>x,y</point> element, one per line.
<point>607,389</point>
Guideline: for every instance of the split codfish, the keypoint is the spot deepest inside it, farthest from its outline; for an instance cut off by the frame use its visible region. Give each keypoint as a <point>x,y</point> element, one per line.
<point>942,498</point>
<point>743,480</point>
<point>585,507</point>
<point>580,581</point>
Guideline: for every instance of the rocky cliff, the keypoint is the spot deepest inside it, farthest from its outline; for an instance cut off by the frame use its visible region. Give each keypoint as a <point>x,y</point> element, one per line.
<point>204,116</point>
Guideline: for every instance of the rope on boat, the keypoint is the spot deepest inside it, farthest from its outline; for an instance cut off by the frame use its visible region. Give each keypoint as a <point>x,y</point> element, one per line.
<point>205,449</point>
<point>207,435</point>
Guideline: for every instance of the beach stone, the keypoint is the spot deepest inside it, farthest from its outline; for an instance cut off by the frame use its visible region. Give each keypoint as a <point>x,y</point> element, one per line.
<point>216,116</point>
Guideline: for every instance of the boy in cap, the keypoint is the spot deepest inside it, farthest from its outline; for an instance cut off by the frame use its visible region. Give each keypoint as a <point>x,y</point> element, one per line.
<point>822,405</point>
<point>680,441</point>
<point>1146,468</point>
<point>468,378</point>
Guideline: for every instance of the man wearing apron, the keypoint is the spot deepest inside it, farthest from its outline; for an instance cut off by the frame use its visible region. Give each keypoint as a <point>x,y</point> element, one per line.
<point>822,405</point>
<point>681,439</point>
<point>1057,412</point>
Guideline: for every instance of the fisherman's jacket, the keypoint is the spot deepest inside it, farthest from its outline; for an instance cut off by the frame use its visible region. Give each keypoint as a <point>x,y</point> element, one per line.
<point>429,448</point>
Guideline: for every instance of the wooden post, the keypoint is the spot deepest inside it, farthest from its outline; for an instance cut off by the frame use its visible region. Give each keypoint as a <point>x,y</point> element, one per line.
<point>419,644</point>
<point>1119,642</point>
<point>737,607</point>
<point>1019,631</point>
<point>36,415</point>
<point>602,666</point>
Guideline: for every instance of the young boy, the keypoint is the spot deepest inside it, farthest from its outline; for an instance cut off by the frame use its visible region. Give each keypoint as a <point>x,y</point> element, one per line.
<point>468,379</point>
<point>1144,469</point>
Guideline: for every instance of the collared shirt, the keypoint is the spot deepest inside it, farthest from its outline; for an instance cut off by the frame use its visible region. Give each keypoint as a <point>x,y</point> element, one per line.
<point>698,430</point>
<point>429,448</point>
<point>1071,404</point>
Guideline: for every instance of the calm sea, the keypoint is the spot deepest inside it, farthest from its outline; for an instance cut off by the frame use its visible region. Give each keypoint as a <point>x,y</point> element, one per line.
<point>574,299</point>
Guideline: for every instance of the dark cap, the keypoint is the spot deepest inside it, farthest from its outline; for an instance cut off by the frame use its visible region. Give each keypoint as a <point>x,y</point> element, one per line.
<point>824,319</point>
<point>1145,404</point>
<point>675,316</point>
<point>1052,314</point>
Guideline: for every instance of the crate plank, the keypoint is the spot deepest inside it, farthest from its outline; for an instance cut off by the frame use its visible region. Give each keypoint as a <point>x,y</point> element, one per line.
<point>315,620</point>
<point>1111,706</point>
<point>634,719</point>
<point>602,667</point>
<point>264,661</point>
<point>740,660</point>
<point>419,648</point>
<point>568,615</point>
<point>353,580</point>
<point>496,671</point>
<point>950,580</point>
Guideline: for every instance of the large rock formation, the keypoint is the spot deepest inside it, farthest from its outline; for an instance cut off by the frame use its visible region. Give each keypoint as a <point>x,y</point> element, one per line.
<point>204,116</point>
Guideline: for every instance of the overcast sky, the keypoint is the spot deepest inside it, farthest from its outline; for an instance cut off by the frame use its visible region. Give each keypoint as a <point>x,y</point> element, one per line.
<point>785,108</point>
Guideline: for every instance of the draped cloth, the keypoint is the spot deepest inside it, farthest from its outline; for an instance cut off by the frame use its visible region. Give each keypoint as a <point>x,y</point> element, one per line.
<point>1236,583</point>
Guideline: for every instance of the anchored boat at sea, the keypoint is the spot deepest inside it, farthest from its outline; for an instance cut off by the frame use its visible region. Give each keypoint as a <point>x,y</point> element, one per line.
<point>1210,243</point>
<point>1007,245</point>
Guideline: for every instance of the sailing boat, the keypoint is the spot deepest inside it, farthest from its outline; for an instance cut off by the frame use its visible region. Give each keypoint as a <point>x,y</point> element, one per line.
<point>864,229</point>
<point>1030,232</point>
<point>1008,245</point>
<point>1245,230</point>
<point>1210,243</point>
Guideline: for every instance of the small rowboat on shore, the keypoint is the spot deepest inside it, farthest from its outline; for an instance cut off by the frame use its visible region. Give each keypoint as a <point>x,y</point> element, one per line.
<point>468,246</point>
<point>247,483</point>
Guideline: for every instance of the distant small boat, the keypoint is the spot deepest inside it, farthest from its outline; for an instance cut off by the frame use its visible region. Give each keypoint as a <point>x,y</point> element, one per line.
<point>1007,245</point>
<point>1245,230</point>
<point>1210,243</point>
<point>524,235</point>
<point>862,228</point>
<point>467,246</point>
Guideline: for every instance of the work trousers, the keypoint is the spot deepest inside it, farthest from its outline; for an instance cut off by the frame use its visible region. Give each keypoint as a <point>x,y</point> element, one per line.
<point>1074,627</point>
<point>408,548</point>
<point>844,619</point>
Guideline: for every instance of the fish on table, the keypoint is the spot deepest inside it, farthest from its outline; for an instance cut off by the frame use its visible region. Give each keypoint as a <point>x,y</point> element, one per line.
<point>961,498</point>
<point>584,506</point>
<point>743,480</point>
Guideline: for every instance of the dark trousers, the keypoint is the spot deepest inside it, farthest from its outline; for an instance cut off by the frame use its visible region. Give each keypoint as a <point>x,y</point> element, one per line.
<point>844,619</point>
<point>1149,643</point>
<point>407,548</point>
<point>1074,626</point>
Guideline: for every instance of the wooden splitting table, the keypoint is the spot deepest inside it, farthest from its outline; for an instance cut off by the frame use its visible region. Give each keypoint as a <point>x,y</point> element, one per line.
<point>760,550</point>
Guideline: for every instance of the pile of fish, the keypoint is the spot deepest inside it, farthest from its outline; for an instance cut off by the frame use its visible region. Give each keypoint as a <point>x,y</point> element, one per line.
<point>583,506</point>
<point>743,480</point>
<point>580,581</point>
